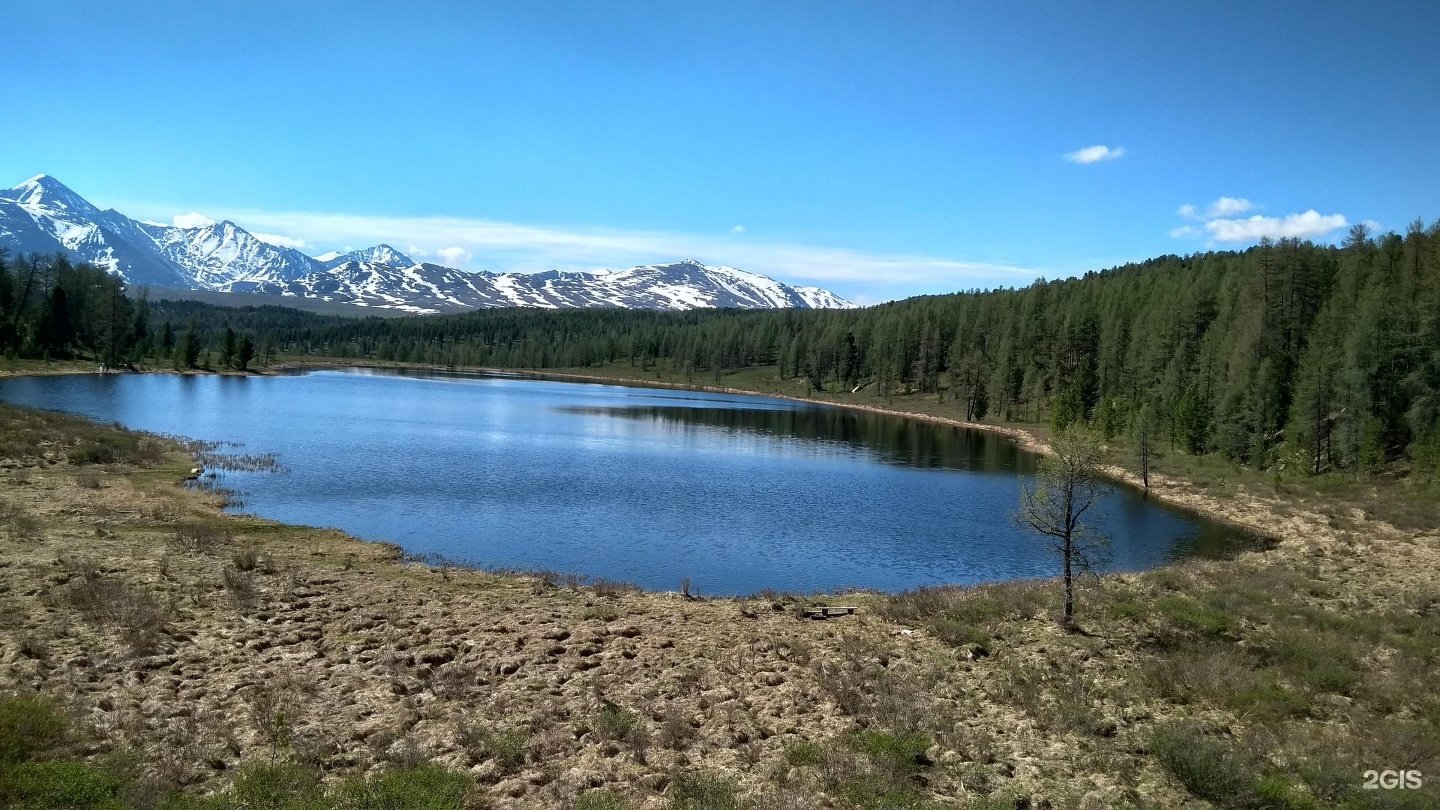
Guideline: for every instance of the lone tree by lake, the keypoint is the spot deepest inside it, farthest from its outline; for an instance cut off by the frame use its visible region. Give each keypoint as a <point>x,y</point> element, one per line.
<point>1059,507</point>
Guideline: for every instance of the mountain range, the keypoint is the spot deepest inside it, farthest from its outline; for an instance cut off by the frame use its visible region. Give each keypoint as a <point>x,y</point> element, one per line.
<point>43,216</point>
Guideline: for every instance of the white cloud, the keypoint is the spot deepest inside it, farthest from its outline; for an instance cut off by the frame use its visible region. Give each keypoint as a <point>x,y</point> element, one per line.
<point>191,220</point>
<point>1185,232</point>
<point>1308,225</point>
<point>738,229</point>
<point>454,256</point>
<point>513,247</point>
<point>1188,211</point>
<point>1228,207</point>
<point>417,252</point>
<point>1094,154</point>
<point>278,240</point>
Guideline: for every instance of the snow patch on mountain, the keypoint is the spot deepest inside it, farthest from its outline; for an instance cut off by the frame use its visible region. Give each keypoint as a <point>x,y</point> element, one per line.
<point>42,215</point>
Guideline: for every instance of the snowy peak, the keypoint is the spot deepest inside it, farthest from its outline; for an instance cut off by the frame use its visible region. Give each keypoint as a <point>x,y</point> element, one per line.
<point>381,254</point>
<point>42,215</point>
<point>43,192</point>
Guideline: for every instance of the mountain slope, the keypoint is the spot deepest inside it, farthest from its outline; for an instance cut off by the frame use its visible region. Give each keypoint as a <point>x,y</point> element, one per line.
<point>42,215</point>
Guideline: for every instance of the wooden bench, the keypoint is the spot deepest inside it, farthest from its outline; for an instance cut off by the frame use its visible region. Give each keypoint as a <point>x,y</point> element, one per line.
<point>827,611</point>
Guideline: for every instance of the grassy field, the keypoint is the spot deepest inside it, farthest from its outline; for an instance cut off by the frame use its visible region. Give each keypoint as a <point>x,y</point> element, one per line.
<point>155,652</point>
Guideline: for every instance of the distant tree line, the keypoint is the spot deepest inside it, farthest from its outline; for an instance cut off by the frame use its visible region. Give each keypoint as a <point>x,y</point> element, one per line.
<point>1290,353</point>
<point>53,310</point>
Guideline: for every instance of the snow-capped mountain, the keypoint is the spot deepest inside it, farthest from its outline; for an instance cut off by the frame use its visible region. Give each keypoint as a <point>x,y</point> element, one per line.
<point>41,215</point>
<point>380,254</point>
<point>224,256</point>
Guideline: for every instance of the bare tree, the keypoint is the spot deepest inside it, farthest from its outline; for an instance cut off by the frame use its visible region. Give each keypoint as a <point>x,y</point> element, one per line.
<point>1059,507</point>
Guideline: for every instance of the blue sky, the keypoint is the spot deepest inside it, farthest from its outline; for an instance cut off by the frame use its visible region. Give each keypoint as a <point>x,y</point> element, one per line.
<point>877,149</point>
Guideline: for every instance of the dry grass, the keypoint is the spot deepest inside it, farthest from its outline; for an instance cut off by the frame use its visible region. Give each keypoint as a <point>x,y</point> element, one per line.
<point>290,648</point>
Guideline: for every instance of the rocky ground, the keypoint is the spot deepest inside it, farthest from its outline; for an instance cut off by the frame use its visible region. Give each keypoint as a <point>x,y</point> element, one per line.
<point>204,641</point>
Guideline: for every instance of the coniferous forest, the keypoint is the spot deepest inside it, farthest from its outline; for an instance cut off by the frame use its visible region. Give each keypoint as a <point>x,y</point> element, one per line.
<point>1286,354</point>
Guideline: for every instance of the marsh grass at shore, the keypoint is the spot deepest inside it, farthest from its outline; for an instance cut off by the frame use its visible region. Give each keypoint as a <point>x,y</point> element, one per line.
<point>222,655</point>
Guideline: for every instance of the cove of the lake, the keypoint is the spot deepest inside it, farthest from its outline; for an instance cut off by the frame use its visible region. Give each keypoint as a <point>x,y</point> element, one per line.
<point>650,486</point>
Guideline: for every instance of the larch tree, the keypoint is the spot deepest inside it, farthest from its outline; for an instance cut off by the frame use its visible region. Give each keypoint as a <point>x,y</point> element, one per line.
<point>1060,507</point>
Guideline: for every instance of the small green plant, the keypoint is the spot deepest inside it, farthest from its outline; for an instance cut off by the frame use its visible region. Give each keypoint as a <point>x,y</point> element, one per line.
<point>615,723</point>
<point>704,792</point>
<point>273,786</point>
<point>29,727</point>
<point>505,747</point>
<point>1208,767</point>
<point>425,787</point>
<point>1199,618</point>
<point>900,754</point>
<point>59,784</point>
<point>804,752</point>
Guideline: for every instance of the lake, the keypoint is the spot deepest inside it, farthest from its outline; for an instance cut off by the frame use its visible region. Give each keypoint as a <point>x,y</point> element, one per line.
<point>738,493</point>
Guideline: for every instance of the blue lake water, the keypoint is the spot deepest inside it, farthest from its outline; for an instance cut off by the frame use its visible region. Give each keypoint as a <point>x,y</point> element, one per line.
<point>645,485</point>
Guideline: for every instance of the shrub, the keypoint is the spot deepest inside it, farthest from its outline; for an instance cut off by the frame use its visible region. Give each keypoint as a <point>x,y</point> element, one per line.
<point>704,792</point>
<point>897,753</point>
<point>1208,767</point>
<point>69,785</point>
<point>202,538</point>
<point>273,786</point>
<point>804,752</point>
<point>426,787</point>
<point>141,620</point>
<point>506,748</point>
<point>18,524</point>
<point>1195,617</point>
<point>28,727</point>
<point>615,723</point>
<point>245,559</point>
<point>241,587</point>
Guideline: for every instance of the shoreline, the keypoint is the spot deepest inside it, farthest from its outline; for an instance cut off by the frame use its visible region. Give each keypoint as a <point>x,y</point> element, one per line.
<point>377,661</point>
<point>1174,492</point>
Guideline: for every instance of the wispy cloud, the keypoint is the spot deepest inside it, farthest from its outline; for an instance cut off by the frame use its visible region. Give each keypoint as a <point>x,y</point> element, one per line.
<point>279,241</point>
<point>507,246</point>
<point>454,256</point>
<point>1308,225</point>
<point>1228,207</point>
<point>1221,224</point>
<point>191,220</point>
<point>1095,154</point>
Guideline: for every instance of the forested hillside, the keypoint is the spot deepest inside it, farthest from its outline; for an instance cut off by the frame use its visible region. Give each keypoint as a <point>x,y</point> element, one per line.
<point>1289,353</point>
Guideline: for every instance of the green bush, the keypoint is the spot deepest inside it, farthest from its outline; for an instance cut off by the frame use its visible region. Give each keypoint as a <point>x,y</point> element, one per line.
<point>1196,617</point>
<point>615,723</point>
<point>426,787</point>
<point>279,786</point>
<point>71,785</point>
<point>704,792</point>
<point>1207,766</point>
<point>28,727</point>
<point>899,754</point>
<point>804,752</point>
<point>878,793</point>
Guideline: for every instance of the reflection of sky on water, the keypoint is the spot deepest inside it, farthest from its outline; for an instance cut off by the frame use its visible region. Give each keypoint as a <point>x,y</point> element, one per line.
<point>738,493</point>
